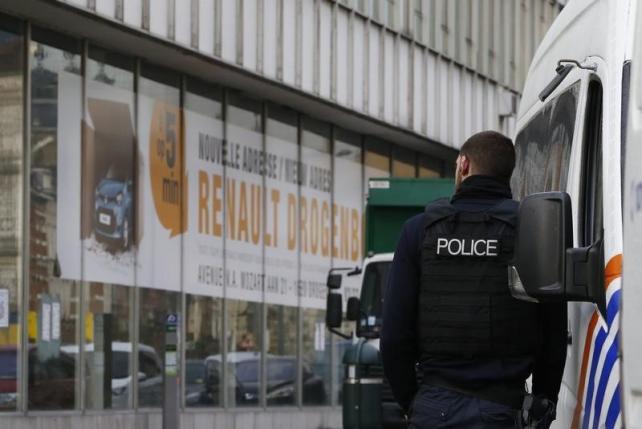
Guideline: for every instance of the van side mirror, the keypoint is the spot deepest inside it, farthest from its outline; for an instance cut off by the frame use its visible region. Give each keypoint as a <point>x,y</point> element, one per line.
<point>334,281</point>
<point>352,312</point>
<point>544,233</point>
<point>334,310</point>
<point>546,266</point>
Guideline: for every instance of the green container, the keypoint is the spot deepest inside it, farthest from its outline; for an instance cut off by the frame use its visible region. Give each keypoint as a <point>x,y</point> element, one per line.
<point>392,201</point>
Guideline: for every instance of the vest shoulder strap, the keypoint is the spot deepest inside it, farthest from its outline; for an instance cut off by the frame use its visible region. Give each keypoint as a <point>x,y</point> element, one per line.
<point>438,210</point>
<point>506,211</point>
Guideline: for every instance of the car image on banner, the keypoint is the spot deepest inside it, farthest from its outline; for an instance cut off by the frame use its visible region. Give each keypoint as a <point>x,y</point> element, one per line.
<point>114,206</point>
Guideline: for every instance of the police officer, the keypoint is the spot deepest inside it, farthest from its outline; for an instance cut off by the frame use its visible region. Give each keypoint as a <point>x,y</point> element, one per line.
<point>457,347</point>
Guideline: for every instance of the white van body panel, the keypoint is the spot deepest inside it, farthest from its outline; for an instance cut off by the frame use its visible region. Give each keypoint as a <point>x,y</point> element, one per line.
<point>596,33</point>
<point>632,266</point>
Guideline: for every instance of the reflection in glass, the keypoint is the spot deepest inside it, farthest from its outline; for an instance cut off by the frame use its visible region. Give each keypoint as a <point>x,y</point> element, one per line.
<point>203,349</point>
<point>108,229</point>
<point>155,305</point>
<point>11,168</point>
<point>108,346</point>
<point>55,252</point>
<point>543,147</point>
<point>281,338</point>
<point>244,357</point>
<point>316,358</point>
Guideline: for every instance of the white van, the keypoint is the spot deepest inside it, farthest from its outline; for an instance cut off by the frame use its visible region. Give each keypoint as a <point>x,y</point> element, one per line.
<point>571,136</point>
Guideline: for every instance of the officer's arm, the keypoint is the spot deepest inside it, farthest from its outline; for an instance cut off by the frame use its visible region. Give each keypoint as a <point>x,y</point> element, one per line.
<point>549,365</point>
<point>398,336</point>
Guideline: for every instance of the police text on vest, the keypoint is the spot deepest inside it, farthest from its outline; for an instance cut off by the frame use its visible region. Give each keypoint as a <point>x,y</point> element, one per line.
<point>467,247</point>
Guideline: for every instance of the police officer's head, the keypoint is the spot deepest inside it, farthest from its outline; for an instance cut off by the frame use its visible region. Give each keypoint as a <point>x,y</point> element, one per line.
<point>487,153</point>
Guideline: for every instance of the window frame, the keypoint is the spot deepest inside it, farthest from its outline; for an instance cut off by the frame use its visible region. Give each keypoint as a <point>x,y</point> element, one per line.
<point>591,223</point>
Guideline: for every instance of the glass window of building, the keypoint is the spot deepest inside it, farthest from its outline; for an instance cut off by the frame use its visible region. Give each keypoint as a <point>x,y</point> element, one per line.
<point>54,269</point>
<point>281,358</point>
<point>429,166</point>
<point>244,248</point>
<point>450,168</point>
<point>159,222</point>
<point>316,220</point>
<point>348,199</point>
<point>203,244</point>
<point>107,229</point>
<point>203,351</point>
<point>281,256</point>
<point>11,213</point>
<point>316,371</point>
<point>376,161</point>
<point>244,356</point>
<point>155,305</point>
<point>348,227</point>
<point>403,162</point>
<point>108,346</point>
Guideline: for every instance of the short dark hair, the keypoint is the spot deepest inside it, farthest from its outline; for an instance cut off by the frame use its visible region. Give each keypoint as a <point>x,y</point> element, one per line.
<point>492,154</point>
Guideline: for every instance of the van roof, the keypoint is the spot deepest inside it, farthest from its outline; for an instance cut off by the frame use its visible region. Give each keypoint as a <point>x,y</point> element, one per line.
<point>584,28</point>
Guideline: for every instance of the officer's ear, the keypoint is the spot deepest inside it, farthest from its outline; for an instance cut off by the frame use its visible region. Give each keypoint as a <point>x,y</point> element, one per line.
<point>464,165</point>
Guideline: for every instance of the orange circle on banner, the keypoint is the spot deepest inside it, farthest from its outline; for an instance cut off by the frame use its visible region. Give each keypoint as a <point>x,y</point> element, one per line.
<point>166,152</point>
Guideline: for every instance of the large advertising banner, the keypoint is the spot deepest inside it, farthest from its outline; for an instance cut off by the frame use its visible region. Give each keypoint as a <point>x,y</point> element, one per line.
<point>68,184</point>
<point>244,214</point>
<point>281,226</point>
<point>162,190</point>
<point>176,207</point>
<point>203,242</point>
<point>108,192</point>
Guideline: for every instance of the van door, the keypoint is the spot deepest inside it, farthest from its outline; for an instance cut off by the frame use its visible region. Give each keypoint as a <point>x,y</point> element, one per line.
<point>558,150</point>
<point>595,334</point>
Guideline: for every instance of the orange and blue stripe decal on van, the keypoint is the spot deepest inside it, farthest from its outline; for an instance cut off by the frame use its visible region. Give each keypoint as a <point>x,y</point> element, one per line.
<point>598,393</point>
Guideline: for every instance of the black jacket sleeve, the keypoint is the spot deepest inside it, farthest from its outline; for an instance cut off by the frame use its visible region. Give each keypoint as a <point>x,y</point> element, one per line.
<point>549,364</point>
<point>398,336</point>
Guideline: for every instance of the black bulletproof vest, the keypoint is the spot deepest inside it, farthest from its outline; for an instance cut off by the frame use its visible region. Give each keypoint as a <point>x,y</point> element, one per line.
<point>465,306</point>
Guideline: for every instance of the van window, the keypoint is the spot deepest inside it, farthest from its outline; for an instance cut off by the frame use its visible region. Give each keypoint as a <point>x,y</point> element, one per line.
<point>543,147</point>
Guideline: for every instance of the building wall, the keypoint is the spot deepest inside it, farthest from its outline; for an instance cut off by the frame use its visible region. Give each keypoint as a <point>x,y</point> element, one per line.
<point>393,60</point>
<point>287,419</point>
<point>148,192</point>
